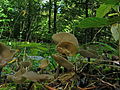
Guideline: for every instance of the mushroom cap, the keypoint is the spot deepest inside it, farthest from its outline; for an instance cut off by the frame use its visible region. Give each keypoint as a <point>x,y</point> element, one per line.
<point>6,54</point>
<point>20,72</point>
<point>63,62</point>
<point>33,76</point>
<point>17,77</point>
<point>44,63</point>
<point>86,53</point>
<point>2,47</point>
<point>17,80</point>
<point>67,48</point>
<point>26,64</point>
<point>65,37</point>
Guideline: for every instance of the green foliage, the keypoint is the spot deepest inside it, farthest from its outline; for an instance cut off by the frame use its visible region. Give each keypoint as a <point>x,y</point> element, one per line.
<point>115,31</point>
<point>107,47</point>
<point>93,22</point>
<point>103,10</point>
<point>110,1</point>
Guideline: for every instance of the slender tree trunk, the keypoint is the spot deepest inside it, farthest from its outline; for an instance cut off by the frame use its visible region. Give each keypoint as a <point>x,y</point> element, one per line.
<point>86,13</point>
<point>86,8</point>
<point>29,20</point>
<point>49,23</point>
<point>55,16</point>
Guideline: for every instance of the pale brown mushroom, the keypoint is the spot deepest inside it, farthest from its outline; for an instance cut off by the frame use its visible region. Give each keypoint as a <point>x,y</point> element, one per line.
<point>63,62</point>
<point>88,54</point>
<point>64,37</point>
<point>44,63</point>
<point>25,64</point>
<point>17,77</point>
<point>33,76</point>
<point>6,54</point>
<point>67,48</point>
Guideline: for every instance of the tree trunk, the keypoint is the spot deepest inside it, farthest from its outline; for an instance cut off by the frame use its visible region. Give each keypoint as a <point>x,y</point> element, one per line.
<point>55,16</point>
<point>86,13</point>
<point>49,23</point>
<point>29,20</point>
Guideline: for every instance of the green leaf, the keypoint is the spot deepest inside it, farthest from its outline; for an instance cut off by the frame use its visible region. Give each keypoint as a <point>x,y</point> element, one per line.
<point>103,10</point>
<point>113,2</point>
<point>36,0</point>
<point>114,20</point>
<point>115,31</point>
<point>107,47</point>
<point>93,22</point>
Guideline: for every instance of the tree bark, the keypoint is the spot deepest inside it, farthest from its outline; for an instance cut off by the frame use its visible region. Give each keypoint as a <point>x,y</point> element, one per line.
<point>49,23</point>
<point>55,16</point>
<point>29,20</point>
<point>86,13</point>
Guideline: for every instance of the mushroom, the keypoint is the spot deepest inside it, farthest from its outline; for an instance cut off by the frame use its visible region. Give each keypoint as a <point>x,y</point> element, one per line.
<point>88,53</point>
<point>65,37</point>
<point>66,43</point>
<point>25,64</point>
<point>17,77</point>
<point>44,64</point>
<point>22,75</point>
<point>67,48</point>
<point>33,76</point>
<point>6,54</point>
<point>63,62</point>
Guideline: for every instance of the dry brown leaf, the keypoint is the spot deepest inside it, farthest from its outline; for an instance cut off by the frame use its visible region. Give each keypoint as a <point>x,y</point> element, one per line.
<point>63,62</point>
<point>44,63</point>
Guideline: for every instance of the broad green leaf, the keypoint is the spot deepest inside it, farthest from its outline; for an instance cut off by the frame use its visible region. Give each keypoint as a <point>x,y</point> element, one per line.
<point>103,10</point>
<point>36,0</point>
<point>93,22</point>
<point>113,2</point>
<point>115,31</point>
<point>114,20</point>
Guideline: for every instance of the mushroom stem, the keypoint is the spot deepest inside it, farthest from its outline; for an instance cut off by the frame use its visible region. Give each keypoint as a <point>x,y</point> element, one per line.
<point>88,65</point>
<point>65,70</point>
<point>30,85</point>
<point>0,73</point>
<point>58,70</point>
<point>18,87</point>
<point>88,59</point>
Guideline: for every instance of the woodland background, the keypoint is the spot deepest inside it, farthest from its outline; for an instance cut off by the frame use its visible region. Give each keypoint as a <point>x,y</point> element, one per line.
<point>28,25</point>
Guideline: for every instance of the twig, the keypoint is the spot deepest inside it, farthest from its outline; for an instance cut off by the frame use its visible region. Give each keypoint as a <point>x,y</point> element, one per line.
<point>107,83</point>
<point>66,86</point>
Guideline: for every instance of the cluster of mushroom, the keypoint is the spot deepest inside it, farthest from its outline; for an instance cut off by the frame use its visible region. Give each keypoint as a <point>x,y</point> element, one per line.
<point>24,73</point>
<point>67,45</point>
